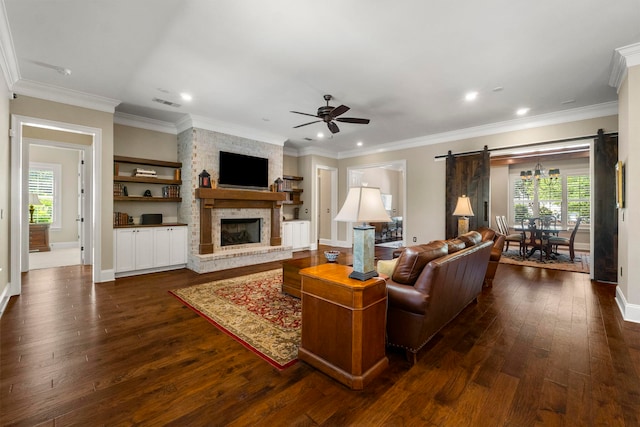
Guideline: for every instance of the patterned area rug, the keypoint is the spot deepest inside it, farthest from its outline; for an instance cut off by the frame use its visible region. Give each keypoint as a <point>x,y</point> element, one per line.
<point>253,310</point>
<point>562,261</point>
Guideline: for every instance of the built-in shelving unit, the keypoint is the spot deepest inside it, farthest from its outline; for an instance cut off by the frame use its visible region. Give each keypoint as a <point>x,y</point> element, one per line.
<point>117,178</point>
<point>290,186</point>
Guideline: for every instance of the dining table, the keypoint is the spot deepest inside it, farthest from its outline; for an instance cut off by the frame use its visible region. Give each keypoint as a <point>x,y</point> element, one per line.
<point>540,233</point>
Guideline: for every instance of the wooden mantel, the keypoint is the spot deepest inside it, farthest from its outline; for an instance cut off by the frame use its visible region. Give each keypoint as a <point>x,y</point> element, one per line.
<point>212,198</point>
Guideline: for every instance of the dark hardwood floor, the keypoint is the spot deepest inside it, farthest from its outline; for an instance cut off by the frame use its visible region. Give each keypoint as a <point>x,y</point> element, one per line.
<point>541,347</point>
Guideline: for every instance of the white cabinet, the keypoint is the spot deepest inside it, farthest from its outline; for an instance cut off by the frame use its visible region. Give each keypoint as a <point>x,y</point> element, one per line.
<point>134,249</point>
<point>170,245</point>
<point>145,249</point>
<point>296,234</point>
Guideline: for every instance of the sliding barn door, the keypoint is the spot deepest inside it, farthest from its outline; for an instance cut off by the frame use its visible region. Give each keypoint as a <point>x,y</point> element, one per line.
<point>468,175</point>
<point>605,215</point>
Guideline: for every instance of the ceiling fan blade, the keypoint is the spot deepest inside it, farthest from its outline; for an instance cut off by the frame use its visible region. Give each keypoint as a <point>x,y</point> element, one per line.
<point>299,126</point>
<point>304,114</point>
<point>353,120</point>
<point>333,127</point>
<point>339,110</point>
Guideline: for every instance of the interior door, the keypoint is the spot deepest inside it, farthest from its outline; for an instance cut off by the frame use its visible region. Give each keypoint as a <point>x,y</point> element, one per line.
<point>468,175</point>
<point>605,214</point>
<point>81,201</point>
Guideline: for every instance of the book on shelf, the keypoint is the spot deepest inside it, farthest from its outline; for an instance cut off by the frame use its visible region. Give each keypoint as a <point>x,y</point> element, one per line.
<point>118,189</point>
<point>120,218</point>
<point>144,171</point>
<point>171,191</point>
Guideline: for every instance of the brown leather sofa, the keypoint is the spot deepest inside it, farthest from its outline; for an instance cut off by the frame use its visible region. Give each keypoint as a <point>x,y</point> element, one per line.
<point>430,285</point>
<point>498,246</point>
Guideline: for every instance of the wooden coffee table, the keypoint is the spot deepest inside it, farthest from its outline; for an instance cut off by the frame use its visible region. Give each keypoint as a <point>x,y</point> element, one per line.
<point>290,270</point>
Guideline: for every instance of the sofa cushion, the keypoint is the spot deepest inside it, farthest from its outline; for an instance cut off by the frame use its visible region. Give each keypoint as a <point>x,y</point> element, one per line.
<point>413,259</point>
<point>386,266</point>
<point>471,238</point>
<point>455,245</point>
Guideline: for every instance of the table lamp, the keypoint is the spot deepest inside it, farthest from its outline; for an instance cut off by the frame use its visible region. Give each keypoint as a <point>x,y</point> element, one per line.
<point>33,200</point>
<point>363,205</point>
<point>463,210</point>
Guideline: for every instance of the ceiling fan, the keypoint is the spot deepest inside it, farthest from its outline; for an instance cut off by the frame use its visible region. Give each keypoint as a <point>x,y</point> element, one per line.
<point>329,115</point>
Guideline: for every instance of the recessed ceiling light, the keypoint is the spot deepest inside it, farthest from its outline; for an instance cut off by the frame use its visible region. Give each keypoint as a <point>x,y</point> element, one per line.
<point>359,143</point>
<point>522,111</point>
<point>186,96</point>
<point>470,96</point>
<point>320,135</point>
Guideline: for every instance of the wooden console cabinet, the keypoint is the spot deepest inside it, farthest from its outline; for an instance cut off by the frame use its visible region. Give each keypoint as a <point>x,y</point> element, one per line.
<point>39,237</point>
<point>343,324</point>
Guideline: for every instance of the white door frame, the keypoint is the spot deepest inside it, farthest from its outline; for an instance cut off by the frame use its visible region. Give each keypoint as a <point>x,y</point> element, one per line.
<point>353,180</point>
<point>334,204</point>
<point>20,196</point>
<point>83,202</point>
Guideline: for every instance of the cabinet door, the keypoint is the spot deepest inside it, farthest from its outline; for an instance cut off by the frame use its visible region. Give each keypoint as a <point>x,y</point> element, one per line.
<point>178,246</point>
<point>162,246</point>
<point>304,233</point>
<point>144,248</point>
<point>287,234</point>
<point>125,243</point>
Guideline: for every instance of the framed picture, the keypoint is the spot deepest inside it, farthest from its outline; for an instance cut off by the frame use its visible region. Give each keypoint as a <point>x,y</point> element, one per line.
<point>619,185</point>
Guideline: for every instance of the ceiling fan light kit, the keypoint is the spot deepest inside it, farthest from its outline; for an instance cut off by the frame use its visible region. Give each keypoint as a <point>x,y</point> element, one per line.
<point>329,115</point>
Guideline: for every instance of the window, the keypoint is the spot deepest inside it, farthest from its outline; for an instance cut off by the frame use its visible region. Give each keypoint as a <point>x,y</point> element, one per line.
<point>567,198</point>
<point>44,180</point>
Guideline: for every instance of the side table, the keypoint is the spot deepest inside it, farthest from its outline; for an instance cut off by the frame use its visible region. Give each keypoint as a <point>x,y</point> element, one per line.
<point>343,324</point>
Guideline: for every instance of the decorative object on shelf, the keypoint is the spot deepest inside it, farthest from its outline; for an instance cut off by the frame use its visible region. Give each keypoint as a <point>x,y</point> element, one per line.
<point>539,172</point>
<point>331,256</point>
<point>147,193</point>
<point>204,180</point>
<point>177,174</point>
<point>463,210</point>
<point>125,192</point>
<point>33,200</point>
<point>363,204</point>
<point>278,184</point>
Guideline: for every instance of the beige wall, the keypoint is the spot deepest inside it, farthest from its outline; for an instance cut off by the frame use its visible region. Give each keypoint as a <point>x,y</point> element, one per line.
<point>56,135</point>
<point>5,192</point>
<point>42,109</point>
<point>68,160</point>
<point>290,165</point>
<point>307,166</point>
<point>425,215</point>
<point>629,154</point>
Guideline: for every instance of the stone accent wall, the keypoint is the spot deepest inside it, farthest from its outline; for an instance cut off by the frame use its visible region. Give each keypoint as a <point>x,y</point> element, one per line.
<point>199,149</point>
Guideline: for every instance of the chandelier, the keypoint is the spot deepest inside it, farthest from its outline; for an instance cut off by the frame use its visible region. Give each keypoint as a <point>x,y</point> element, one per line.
<point>539,172</point>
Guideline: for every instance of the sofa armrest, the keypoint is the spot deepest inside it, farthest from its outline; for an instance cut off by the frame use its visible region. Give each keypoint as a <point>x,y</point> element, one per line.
<point>498,247</point>
<point>406,297</point>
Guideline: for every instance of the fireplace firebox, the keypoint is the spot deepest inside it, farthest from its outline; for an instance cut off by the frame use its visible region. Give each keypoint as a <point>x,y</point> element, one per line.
<point>239,231</point>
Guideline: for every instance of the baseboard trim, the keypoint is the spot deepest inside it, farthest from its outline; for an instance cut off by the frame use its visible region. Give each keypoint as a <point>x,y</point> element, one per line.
<point>630,312</point>
<point>107,276</point>
<point>4,298</point>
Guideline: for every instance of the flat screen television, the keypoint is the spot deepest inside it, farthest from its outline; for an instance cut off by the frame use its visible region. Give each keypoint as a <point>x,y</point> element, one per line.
<point>242,171</point>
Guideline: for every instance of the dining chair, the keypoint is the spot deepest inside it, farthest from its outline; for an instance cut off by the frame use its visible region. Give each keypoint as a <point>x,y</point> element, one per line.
<point>511,237</point>
<point>563,241</point>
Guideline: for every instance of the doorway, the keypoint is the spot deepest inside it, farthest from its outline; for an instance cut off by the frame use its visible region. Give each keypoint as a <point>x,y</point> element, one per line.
<point>20,195</point>
<point>390,177</point>
<point>56,179</point>
<point>327,205</point>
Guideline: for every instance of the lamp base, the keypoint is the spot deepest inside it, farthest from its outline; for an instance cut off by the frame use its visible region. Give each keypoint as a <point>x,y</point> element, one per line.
<point>463,225</point>
<point>363,276</point>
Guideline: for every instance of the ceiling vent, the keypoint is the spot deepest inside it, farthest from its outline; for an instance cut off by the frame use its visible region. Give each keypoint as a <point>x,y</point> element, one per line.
<point>165,102</point>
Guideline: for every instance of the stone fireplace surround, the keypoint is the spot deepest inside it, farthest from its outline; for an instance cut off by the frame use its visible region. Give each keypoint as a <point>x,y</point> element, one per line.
<point>198,149</point>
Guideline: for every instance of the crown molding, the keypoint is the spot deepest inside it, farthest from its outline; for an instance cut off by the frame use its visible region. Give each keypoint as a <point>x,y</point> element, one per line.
<point>144,123</point>
<point>199,122</point>
<point>65,96</point>
<point>8,61</point>
<point>623,58</point>
<point>565,116</point>
<point>290,151</point>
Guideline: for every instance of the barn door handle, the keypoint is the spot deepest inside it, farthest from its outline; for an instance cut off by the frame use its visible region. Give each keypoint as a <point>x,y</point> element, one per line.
<point>486,211</point>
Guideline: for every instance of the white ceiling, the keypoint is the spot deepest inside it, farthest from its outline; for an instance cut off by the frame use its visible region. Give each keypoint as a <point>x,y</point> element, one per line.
<point>406,65</point>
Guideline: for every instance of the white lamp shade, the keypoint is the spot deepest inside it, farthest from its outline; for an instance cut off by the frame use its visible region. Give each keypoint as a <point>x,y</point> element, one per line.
<point>463,207</point>
<point>363,204</point>
<point>33,199</point>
